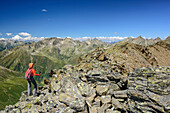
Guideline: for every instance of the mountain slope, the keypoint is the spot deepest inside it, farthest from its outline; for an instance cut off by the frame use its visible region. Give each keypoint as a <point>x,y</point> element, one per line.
<point>11,85</point>
<point>167,40</point>
<point>135,56</point>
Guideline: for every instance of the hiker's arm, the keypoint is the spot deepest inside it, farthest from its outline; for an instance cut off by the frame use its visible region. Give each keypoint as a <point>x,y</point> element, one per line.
<point>35,73</point>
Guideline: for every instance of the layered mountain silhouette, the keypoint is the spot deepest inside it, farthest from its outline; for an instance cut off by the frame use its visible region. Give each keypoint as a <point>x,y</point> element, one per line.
<point>140,41</point>
<point>8,44</point>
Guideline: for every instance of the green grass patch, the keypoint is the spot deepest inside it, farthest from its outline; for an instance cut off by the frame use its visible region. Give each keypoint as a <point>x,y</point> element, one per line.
<point>11,86</point>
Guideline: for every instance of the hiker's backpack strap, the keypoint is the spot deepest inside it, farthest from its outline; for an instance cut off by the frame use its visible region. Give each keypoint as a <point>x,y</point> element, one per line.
<point>28,74</point>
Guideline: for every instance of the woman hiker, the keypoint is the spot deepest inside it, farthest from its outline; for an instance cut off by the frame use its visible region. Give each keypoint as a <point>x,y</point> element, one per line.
<point>29,77</point>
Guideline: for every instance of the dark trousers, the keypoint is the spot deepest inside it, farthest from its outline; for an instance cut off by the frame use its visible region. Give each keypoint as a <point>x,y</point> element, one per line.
<point>29,85</point>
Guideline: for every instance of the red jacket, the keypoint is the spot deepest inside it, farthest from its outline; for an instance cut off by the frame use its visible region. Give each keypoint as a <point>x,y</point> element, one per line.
<point>33,72</point>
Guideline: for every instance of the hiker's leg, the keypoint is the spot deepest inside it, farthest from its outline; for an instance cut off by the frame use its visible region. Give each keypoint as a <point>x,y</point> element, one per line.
<point>35,85</point>
<point>29,87</point>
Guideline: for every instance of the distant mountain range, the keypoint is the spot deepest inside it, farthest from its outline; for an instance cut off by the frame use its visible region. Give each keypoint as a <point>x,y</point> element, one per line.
<point>8,44</point>
<point>140,41</point>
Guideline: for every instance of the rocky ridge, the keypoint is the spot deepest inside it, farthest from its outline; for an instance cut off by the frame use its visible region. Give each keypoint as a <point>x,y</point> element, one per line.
<point>136,56</point>
<point>140,41</point>
<point>100,85</point>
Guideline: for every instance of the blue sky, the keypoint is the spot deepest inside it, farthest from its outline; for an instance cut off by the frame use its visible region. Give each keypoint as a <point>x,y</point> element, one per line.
<point>85,18</point>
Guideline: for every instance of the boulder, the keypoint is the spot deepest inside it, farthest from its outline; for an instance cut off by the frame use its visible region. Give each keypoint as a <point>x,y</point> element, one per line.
<point>91,97</point>
<point>96,75</point>
<point>109,111</point>
<point>100,110</point>
<point>93,110</point>
<point>63,97</point>
<point>101,57</point>
<point>116,111</point>
<point>106,106</point>
<point>97,99</point>
<point>73,103</point>
<point>102,89</point>
<point>120,94</point>
<point>83,88</point>
<point>116,104</point>
<point>114,86</point>
<point>55,85</point>
<point>47,81</point>
<point>96,104</point>
<point>106,99</point>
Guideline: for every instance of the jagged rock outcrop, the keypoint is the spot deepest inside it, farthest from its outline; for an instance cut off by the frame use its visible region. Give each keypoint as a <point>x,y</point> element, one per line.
<point>149,90</point>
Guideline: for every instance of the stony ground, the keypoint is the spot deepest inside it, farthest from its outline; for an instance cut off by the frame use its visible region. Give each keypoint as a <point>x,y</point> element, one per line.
<point>100,85</point>
<point>149,90</point>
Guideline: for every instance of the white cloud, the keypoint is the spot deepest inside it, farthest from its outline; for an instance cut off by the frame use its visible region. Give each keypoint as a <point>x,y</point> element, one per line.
<point>44,10</point>
<point>68,37</point>
<point>0,33</point>
<point>16,37</point>
<point>111,38</point>
<point>102,38</point>
<point>28,38</point>
<point>82,38</point>
<point>24,34</point>
<point>33,38</point>
<point>132,37</point>
<point>2,39</point>
<point>9,34</point>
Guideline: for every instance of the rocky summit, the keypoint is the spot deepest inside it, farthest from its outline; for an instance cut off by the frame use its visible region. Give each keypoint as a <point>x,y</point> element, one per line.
<point>100,85</point>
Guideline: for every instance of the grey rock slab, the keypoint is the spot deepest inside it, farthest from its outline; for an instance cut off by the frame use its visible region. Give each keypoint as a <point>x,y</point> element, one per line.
<point>102,89</point>
<point>106,99</point>
<point>120,94</point>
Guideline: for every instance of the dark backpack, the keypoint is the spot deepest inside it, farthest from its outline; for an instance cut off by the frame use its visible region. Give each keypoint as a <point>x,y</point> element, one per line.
<point>28,74</point>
